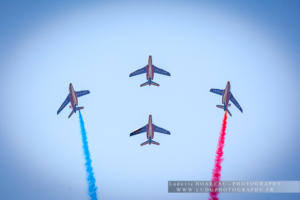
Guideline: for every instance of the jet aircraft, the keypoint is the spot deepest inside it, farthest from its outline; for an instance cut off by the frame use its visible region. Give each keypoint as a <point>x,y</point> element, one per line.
<point>73,98</point>
<point>149,69</point>
<point>150,128</point>
<point>226,96</point>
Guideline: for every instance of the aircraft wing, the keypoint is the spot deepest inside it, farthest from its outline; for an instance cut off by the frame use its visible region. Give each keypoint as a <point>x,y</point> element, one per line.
<point>139,71</point>
<point>161,130</point>
<point>161,71</point>
<point>63,105</point>
<point>234,101</point>
<point>81,93</point>
<point>216,91</point>
<point>140,130</point>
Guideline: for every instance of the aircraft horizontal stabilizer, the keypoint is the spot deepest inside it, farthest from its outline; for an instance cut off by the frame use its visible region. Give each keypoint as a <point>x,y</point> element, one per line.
<point>148,142</point>
<point>79,108</point>
<point>154,142</point>
<point>71,114</point>
<point>144,143</point>
<point>220,106</point>
<point>153,83</point>
<point>149,83</point>
<point>229,112</point>
<point>144,84</point>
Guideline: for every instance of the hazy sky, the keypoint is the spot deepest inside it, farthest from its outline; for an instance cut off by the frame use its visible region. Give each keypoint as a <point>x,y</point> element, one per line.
<point>95,45</point>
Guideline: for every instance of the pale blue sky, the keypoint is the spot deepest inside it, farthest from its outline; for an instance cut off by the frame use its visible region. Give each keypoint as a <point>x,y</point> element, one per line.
<point>96,45</point>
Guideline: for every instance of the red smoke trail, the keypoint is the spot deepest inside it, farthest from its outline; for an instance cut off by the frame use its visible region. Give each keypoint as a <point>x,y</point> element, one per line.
<point>216,176</point>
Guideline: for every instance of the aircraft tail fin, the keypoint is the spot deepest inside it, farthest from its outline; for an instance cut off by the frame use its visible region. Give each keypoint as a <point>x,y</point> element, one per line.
<point>222,107</point>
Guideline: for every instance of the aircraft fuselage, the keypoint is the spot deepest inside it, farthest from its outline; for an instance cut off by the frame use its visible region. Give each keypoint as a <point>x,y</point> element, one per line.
<point>73,96</point>
<point>226,96</point>
<point>150,69</point>
<point>150,128</point>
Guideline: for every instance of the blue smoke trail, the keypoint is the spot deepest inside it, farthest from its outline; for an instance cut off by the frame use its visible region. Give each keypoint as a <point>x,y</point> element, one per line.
<point>88,162</point>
